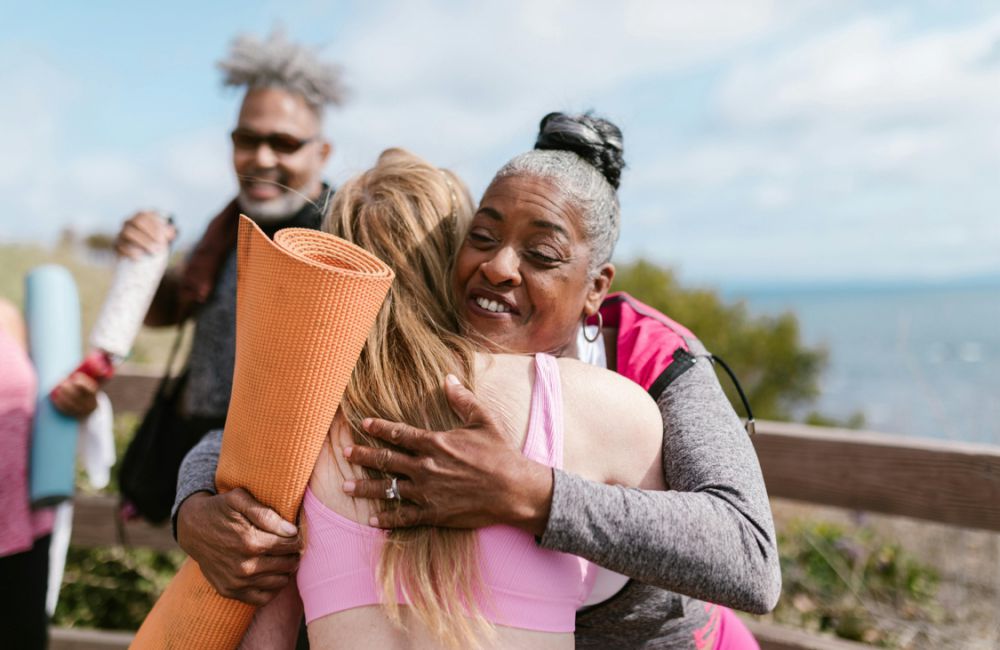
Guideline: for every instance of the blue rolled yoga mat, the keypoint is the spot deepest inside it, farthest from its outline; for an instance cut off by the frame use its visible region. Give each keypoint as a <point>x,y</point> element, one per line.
<point>52,313</point>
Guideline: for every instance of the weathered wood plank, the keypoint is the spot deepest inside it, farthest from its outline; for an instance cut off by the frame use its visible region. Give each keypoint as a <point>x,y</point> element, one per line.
<point>83,639</point>
<point>948,482</point>
<point>132,390</point>
<point>95,524</point>
<point>771,636</point>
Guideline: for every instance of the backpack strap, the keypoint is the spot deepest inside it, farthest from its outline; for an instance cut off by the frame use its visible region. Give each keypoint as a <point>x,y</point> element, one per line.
<point>654,350</point>
<point>683,360</point>
<point>750,425</point>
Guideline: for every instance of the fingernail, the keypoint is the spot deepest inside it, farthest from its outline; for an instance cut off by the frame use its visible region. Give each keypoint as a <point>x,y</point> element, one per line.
<point>287,529</point>
<point>347,452</point>
<point>367,422</point>
<point>452,379</point>
<point>373,522</point>
<point>349,487</point>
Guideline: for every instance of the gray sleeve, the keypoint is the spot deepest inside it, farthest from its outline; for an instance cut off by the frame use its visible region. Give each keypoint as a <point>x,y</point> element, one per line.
<point>710,536</point>
<point>197,472</point>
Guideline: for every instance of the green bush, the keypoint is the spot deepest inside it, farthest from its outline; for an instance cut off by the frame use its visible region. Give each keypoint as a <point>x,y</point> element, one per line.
<point>777,371</point>
<point>850,583</point>
<point>113,587</point>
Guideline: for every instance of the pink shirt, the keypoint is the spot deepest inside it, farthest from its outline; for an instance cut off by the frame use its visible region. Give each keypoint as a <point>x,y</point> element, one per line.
<point>525,586</point>
<point>19,526</point>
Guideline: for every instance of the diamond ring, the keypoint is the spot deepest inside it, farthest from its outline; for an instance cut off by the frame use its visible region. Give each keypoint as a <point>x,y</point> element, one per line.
<point>392,492</point>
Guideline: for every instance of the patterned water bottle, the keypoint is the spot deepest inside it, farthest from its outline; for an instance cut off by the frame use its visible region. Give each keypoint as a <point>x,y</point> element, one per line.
<point>132,289</point>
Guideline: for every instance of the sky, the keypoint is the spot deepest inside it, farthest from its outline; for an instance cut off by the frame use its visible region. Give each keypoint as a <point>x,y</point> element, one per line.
<point>767,142</point>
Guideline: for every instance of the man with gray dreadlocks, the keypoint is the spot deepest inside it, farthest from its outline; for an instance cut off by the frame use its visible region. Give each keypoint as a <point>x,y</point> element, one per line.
<point>279,152</point>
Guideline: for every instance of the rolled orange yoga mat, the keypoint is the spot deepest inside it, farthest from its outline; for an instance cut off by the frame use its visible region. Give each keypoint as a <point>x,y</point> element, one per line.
<point>305,304</point>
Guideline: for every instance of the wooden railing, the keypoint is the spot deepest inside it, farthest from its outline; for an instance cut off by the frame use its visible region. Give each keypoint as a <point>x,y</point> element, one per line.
<point>952,483</point>
<point>946,482</point>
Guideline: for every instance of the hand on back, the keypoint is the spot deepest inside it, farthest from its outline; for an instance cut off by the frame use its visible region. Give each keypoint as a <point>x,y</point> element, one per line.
<point>469,477</point>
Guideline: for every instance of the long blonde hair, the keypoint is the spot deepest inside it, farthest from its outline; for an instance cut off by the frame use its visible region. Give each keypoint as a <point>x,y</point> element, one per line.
<point>412,216</point>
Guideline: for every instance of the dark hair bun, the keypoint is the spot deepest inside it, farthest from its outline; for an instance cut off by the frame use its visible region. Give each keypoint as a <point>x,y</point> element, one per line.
<point>596,140</point>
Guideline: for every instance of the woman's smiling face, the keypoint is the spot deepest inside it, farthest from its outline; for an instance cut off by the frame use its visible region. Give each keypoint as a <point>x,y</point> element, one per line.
<point>522,274</point>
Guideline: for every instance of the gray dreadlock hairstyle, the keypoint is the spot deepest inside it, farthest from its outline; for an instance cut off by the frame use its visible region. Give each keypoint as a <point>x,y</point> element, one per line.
<point>280,63</point>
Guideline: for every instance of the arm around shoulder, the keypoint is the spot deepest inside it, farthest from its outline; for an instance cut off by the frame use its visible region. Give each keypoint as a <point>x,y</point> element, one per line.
<point>710,536</point>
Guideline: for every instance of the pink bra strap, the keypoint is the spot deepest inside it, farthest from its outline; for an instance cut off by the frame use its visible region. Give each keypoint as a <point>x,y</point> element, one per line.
<point>544,440</point>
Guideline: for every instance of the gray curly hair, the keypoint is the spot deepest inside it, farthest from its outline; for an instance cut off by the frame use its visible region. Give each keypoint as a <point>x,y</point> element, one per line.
<point>583,155</point>
<point>280,63</point>
<point>596,198</point>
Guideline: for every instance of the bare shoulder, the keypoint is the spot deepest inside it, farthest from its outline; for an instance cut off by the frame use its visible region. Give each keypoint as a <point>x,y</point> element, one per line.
<point>614,428</point>
<point>605,387</point>
<point>498,374</point>
<point>503,384</point>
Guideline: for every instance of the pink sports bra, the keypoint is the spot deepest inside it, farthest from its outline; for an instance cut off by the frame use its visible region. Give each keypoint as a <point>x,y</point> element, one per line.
<point>526,586</point>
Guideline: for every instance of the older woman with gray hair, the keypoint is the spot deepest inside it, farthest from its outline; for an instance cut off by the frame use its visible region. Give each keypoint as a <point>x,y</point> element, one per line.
<point>533,271</point>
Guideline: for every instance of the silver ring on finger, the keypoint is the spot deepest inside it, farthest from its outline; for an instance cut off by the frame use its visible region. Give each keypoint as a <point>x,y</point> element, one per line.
<point>392,492</point>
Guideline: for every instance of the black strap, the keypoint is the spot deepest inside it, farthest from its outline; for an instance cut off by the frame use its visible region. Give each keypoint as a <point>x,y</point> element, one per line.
<point>167,373</point>
<point>119,518</point>
<point>750,426</point>
<point>681,363</point>
<point>176,346</point>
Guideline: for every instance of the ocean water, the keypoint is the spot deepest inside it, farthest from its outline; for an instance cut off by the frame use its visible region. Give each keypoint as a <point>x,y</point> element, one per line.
<point>921,361</point>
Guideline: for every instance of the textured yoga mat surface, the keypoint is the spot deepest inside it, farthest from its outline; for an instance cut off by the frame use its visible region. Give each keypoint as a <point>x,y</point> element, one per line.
<point>305,304</point>
<point>52,314</point>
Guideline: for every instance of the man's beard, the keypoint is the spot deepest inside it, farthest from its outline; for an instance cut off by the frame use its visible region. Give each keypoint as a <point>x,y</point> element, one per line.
<point>272,210</point>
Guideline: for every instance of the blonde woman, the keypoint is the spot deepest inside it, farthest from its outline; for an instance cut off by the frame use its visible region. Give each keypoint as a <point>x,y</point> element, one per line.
<point>432,587</point>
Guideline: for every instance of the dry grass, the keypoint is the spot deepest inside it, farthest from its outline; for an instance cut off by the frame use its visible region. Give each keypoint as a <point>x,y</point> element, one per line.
<point>967,601</point>
<point>93,276</point>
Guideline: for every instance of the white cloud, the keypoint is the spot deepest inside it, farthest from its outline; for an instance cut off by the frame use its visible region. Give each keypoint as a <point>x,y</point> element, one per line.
<point>462,83</point>
<point>199,161</point>
<point>830,138</point>
<point>866,149</point>
<point>869,71</point>
<point>46,185</point>
<point>100,176</point>
<point>497,51</point>
<point>772,196</point>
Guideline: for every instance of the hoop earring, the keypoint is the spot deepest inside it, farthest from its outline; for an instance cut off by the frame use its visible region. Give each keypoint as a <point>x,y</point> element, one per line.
<point>600,326</point>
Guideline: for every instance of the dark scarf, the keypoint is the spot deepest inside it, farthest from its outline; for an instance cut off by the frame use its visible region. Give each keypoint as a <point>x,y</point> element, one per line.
<point>201,272</point>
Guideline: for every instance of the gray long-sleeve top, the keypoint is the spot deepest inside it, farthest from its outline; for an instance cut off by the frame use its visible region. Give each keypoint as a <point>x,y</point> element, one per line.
<point>710,536</point>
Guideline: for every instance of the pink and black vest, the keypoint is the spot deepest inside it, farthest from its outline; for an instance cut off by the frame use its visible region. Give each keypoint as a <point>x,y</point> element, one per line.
<point>654,350</point>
